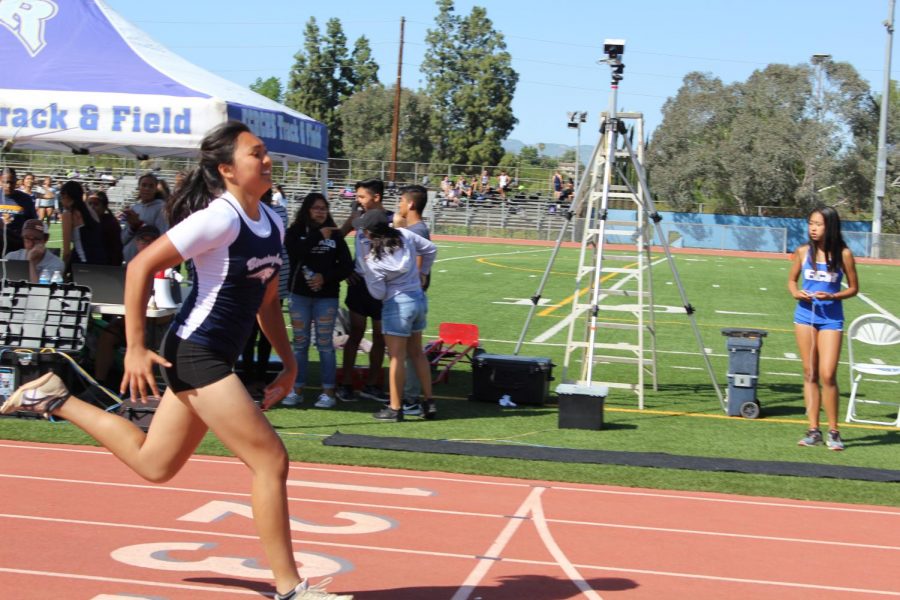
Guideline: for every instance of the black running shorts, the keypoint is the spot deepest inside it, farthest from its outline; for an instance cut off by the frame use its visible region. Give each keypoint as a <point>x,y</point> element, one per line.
<point>193,366</point>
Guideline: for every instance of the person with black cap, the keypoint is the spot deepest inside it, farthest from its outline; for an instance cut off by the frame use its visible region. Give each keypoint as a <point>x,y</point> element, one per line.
<point>393,277</point>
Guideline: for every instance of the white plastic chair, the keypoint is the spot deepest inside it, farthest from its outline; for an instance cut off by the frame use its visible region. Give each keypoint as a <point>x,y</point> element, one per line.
<point>874,330</point>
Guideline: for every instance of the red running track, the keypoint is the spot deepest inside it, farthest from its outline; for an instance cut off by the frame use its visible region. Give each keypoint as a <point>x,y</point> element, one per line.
<point>76,523</point>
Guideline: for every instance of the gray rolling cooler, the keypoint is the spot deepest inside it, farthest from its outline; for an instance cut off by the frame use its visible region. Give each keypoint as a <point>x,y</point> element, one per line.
<point>39,322</point>
<point>743,371</point>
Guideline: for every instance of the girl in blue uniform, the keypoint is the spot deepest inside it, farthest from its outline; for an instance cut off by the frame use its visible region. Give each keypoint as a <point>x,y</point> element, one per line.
<point>234,242</point>
<point>821,265</point>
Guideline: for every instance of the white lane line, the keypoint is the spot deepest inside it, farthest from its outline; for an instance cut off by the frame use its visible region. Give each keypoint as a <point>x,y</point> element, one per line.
<point>540,523</point>
<point>407,491</point>
<point>783,374</point>
<point>790,355</point>
<point>687,368</point>
<point>734,312</point>
<point>493,553</point>
<point>162,584</point>
<point>789,584</point>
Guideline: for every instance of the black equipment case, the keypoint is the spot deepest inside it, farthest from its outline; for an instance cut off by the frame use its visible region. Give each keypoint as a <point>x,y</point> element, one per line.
<point>35,318</point>
<point>525,379</point>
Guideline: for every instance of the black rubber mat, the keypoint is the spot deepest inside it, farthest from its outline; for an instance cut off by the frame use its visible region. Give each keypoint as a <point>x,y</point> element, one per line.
<point>659,460</point>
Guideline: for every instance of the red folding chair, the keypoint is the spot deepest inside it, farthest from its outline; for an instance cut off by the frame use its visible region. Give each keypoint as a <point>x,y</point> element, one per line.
<point>456,342</point>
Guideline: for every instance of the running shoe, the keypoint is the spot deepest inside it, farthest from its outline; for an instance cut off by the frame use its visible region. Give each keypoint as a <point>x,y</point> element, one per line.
<point>834,440</point>
<point>411,408</point>
<point>325,401</point>
<point>373,392</point>
<point>345,393</point>
<point>388,415</point>
<point>292,399</point>
<point>304,591</point>
<point>813,437</point>
<point>430,409</point>
<point>42,395</point>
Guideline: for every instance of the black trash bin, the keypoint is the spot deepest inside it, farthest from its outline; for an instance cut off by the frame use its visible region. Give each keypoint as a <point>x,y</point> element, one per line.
<point>743,370</point>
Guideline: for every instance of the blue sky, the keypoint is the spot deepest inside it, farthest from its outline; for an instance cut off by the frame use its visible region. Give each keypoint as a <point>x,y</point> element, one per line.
<point>555,45</point>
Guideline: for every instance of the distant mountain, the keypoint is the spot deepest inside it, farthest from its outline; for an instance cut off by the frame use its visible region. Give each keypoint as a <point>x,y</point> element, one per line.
<point>552,150</point>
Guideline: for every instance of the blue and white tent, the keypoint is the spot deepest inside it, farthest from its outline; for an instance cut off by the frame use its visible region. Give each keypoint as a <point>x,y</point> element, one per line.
<point>77,76</point>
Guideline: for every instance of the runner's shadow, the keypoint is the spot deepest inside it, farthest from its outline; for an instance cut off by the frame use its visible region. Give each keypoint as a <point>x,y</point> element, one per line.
<point>263,587</point>
<point>515,587</point>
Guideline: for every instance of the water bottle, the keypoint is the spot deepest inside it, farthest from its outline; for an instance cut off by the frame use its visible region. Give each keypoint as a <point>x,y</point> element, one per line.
<point>45,276</point>
<point>56,277</point>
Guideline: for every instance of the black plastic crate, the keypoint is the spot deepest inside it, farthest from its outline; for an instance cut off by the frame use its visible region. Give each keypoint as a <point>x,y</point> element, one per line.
<point>38,315</point>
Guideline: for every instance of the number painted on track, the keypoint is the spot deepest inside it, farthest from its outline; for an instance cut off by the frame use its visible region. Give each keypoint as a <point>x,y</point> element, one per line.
<point>360,523</point>
<point>159,555</point>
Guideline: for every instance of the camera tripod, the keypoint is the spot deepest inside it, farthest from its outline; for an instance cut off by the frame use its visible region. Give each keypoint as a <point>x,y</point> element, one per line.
<point>591,207</point>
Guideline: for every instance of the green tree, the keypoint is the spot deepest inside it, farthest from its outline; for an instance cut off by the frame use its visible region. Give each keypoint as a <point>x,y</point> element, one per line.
<point>368,120</point>
<point>529,155</point>
<point>364,69</point>
<point>308,82</point>
<point>270,88</point>
<point>777,139</point>
<point>471,83</point>
<point>324,76</point>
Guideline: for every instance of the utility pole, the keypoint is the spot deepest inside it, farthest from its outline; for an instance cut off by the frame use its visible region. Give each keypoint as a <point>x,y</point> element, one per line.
<point>576,118</point>
<point>395,130</point>
<point>881,161</point>
<point>818,61</point>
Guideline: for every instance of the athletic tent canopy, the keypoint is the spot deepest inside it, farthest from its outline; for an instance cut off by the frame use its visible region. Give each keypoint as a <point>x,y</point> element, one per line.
<point>79,77</point>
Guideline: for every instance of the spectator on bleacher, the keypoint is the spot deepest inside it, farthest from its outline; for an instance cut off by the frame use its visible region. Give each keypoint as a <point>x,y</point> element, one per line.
<point>28,185</point>
<point>148,211</point>
<point>162,189</point>
<point>35,234</point>
<point>278,198</point>
<point>47,200</point>
<point>16,207</point>
<point>556,184</point>
<point>485,181</point>
<point>82,236</point>
<point>393,277</point>
<point>110,228</point>
<point>446,186</point>
<point>320,260</point>
<point>503,183</point>
<point>568,193</point>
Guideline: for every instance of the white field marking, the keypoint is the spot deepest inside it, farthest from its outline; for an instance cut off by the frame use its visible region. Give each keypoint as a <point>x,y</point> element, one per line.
<point>687,368</point>
<point>708,351</point>
<point>669,283</point>
<point>496,549</point>
<point>487,273</point>
<point>540,523</point>
<point>783,374</point>
<point>734,312</point>
<point>407,491</point>
<point>715,285</point>
<point>563,323</point>
<point>876,361</point>
<point>524,301</point>
<point>894,381</point>
<point>492,254</point>
<point>163,584</point>
<point>764,289</point>
<point>790,584</point>
<point>790,355</point>
<point>694,260</point>
<point>334,469</point>
<point>442,271</point>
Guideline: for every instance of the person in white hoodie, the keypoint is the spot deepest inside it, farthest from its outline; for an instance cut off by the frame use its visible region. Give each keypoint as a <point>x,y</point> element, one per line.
<point>393,277</point>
